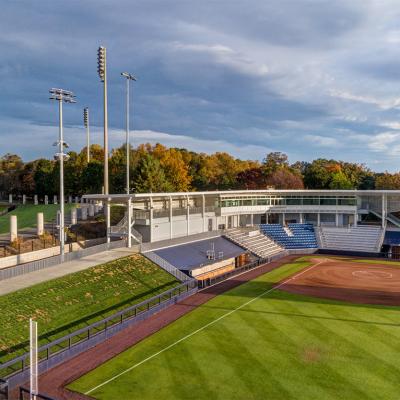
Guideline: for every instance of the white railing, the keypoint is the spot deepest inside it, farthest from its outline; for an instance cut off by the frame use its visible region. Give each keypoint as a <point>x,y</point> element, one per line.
<point>166,266</point>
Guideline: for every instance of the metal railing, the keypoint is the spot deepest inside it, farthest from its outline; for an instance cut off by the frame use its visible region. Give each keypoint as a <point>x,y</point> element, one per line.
<point>76,342</point>
<point>166,266</point>
<point>23,391</point>
<point>21,269</point>
<point>3,389</point>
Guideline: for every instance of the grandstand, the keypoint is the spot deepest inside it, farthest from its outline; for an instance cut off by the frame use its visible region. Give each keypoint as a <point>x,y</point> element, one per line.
<point>253,240</point>
<point>363,238</point>
<point>293,236</point>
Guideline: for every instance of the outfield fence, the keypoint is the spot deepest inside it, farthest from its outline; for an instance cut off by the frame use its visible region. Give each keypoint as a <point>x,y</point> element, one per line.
<point>16,371</point>
<point>21,269</point>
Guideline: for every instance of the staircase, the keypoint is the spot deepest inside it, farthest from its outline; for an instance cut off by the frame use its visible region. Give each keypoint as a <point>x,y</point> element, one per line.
<point>120,230</point>
<point>361,238</point>
<point>254,241</point>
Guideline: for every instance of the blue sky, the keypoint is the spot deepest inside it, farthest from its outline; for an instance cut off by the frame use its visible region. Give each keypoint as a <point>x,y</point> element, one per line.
<point>309,78</point>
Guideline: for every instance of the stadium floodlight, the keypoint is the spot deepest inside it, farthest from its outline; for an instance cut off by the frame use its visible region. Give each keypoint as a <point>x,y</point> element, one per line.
<point>86,124</point>
<point>62,96</point>
<point>129,77</point>
<point>102,71</point>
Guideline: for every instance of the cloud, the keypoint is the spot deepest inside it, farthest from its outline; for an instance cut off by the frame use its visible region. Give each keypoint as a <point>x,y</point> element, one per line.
<point>306,78</point>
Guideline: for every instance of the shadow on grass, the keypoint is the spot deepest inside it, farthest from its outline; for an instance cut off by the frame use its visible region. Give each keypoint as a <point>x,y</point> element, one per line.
<point>63,330</point>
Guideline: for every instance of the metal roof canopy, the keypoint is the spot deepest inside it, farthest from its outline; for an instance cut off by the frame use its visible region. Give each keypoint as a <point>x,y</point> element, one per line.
<point>193,255</point>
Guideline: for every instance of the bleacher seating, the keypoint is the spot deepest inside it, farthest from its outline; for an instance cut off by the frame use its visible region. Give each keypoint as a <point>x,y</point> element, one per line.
<point>392,238</point>
<point>253,240</point>
<point>362,238</point>
<point>294,236</point>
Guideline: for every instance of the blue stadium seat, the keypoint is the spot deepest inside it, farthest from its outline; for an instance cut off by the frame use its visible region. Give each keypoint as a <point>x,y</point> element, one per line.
<point>302,236</point>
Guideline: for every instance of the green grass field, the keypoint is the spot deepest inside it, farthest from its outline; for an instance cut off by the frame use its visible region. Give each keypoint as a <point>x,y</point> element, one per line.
<point>66,304</point>
<point>27,215</point>
<point>254,343</point>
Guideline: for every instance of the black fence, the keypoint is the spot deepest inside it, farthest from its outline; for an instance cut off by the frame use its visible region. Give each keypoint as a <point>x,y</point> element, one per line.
<point>25,394</point>
<point>64,348</point>
<point>3,390</point>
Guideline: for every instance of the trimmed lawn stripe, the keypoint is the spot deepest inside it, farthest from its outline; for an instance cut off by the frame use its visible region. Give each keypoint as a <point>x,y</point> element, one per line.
<point>280,346</point>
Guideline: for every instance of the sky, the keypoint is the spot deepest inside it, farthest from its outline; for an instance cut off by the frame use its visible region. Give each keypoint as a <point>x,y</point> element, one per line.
<point>309,78</point>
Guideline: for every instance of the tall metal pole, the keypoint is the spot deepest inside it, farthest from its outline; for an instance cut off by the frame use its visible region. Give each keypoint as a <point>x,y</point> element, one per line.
<point>33,347</point>
<point>105,128</point>
<point>61,150</point>
<point>86,123</point>
<point>127,135</point>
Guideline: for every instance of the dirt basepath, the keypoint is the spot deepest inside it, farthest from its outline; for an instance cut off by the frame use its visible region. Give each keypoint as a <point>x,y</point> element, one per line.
<point>349,281</point>
<point>54,381</point>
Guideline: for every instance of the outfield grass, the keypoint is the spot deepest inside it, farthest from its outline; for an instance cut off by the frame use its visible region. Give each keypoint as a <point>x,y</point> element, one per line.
<point>276,346</point>
<point>27,215</point>
<point>66,304</point>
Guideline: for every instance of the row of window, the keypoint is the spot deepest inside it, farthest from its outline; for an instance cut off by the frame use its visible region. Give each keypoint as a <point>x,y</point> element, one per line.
<point>290,201</point>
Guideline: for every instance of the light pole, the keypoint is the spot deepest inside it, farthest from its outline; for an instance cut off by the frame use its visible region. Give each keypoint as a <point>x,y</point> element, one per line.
<point>102,71</point>
<point>86,123</point>
<point>62,96</point>
<point>129,78</point>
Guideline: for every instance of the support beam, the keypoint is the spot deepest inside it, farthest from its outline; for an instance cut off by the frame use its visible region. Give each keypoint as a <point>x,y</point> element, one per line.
<point>39,224</point>
<point>13,228</point>
<point>318,219</point>
<point>108,220</point>
<point>151,219</point>
<point>203,204</point>
<point>187,216</point>
<point>301,218</point>
<point>336,219</point>
<point>171,231</point>
<point>129,223</point>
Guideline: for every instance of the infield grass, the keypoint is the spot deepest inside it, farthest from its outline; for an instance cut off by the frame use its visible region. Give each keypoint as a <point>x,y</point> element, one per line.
<point>63,305</point>
<point>27,214</point>
<point>254,343</point>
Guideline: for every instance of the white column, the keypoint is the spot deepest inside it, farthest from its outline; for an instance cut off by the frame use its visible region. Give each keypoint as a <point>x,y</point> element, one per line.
<point>55,199</point>
<point>108,220</point>
<point>69,199</point>
<point>129,223</point>
<point>39,224</point>
<point>355,218</point>
<point>318,219</point>
<point>151,219</point>
<point>23,199</point>
<point>46,199</point>
<point>252,219</point>
<point>301,218</point>
<point>13,228</point>
<point>76,199</point>
<point>283,218</point>
<point>187,216</point>
<point>383,211</point>
<point>203,212</point>
<point>10,198</point>
<point>35,199</point>
<point>91,210</point>
<point>171,232</point>
<point>84,213</point>
<point>336,219</point>
<point>74,217</point>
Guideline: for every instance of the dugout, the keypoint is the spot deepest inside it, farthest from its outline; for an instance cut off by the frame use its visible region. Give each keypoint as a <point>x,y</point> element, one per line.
<point>206,258</point>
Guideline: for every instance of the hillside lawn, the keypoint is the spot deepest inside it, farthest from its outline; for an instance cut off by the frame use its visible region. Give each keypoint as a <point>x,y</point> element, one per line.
<point>254,343</point>
<point>27,214</point>
<point>66,304</point>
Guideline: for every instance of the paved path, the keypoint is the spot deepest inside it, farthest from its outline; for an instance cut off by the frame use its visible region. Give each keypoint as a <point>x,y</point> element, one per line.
<point>33,278</point>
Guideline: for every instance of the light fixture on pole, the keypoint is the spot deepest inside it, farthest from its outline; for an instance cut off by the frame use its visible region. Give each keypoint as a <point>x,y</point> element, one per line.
<point>62,96</point>
<point>86,124</point>
<point>102,71</point>
<point>129,78</point>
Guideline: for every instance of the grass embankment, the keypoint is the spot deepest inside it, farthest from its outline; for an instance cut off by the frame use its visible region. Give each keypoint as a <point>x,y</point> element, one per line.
<point>66,304</point>
<point>27,214</point>
<point>276,346</point>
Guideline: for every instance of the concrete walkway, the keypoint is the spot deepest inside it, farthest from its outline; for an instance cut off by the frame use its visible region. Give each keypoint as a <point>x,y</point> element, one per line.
<point>33,278</point>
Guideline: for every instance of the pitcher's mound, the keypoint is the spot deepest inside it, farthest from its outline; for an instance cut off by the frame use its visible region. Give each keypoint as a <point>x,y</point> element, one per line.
<point>349,281</point>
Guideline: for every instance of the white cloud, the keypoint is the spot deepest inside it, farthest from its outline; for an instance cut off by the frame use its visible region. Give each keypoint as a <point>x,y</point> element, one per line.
<point>322,141</point>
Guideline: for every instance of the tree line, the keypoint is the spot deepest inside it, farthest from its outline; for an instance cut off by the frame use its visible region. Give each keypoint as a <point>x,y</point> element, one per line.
<point>156,168</point>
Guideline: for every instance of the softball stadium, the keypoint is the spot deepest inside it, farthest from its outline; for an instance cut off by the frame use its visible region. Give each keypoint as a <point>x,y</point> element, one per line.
<point>277,294</point>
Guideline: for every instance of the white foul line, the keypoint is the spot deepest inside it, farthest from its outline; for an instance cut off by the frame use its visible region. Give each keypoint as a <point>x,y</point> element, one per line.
<point>202,328</point>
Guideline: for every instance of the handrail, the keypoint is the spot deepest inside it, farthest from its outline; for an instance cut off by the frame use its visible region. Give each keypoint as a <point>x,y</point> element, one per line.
<point>84,334</point>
